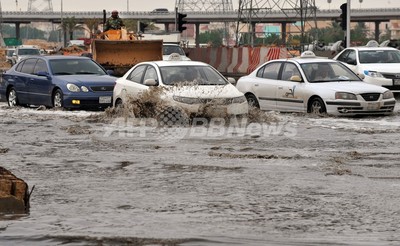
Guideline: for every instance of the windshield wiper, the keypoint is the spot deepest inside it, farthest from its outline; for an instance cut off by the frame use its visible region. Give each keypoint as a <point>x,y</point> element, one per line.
<point>62,73</point>
<point>85,73</point>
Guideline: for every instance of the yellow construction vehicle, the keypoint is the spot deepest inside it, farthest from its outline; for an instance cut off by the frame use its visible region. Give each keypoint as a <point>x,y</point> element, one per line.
<point>118,50</point>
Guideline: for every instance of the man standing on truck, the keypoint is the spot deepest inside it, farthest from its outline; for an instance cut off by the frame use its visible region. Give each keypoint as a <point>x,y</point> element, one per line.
<point>114,22</point>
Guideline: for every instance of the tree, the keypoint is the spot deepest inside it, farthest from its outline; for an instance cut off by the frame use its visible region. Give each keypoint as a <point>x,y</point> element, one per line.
<point>132,25</point>
<point>26,32</point>
<point>329,34</point>
<point>92,25</point>
<point>359,33</point>
<point>69,25</point>
<point>213,37</point>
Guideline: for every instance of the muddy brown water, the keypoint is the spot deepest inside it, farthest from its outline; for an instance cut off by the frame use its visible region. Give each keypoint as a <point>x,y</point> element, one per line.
<point>295,180</point>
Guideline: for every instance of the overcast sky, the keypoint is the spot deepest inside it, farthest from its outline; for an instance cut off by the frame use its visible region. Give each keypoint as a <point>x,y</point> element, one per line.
<point>148,5</point>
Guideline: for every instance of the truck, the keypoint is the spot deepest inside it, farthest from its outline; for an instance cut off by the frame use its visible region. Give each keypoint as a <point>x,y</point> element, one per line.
<point>118,51</point>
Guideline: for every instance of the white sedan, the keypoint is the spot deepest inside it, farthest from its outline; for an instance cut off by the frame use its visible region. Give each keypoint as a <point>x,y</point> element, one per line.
<point>377,65</point>
<point>186,85</point>
<point>314,85</point>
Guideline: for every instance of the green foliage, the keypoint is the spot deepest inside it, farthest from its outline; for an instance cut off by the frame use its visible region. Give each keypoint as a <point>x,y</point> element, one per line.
<point>26,32</point>
<point>132,25</point>
<point>213,37</point>
<point>359,34</point>
<point>270,39</point>
<point>69,25</point>
<point>328,34</point>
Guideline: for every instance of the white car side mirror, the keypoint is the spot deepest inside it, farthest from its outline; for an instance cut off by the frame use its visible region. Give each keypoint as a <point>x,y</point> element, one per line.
<point>232,80</point>
<point>296,78</point>
<point>150,82</point>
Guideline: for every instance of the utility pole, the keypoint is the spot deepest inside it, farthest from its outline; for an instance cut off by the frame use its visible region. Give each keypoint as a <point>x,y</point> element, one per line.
<point>2,44</point>
<point>348,24</point>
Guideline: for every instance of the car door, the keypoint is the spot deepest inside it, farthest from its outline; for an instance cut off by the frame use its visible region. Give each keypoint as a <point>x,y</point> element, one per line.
<point>21,78</point>
<point>349,58</point>
<point>288,96</point>
<point>40,86</point>
<point>133,84</point>
<point>265,85</point>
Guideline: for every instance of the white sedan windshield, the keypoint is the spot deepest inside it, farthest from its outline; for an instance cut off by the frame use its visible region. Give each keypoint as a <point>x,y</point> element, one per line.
<point>199,75</point>
<point>328,72</point>
<point>379,56</point>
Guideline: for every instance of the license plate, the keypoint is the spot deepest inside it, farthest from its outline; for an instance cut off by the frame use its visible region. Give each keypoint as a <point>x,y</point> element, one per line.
<point>396,81</point>
<point>104,99</point>
<point>373,106</point>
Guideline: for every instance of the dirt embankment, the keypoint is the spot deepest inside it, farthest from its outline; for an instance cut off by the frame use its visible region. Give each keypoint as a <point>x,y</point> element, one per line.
<point>14,195</point>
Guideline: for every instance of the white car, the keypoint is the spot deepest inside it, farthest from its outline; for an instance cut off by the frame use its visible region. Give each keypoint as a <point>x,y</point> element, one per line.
<point>378,65</point>
<point>186,85</point>
<point>24,51</point>
<point>173,49</point>
<point>313,85</point>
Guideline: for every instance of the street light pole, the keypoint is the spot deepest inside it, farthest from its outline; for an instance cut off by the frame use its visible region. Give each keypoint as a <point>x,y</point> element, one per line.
<point>62,27</point>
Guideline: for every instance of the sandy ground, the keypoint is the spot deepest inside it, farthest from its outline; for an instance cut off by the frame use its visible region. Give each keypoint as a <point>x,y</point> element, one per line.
<point>301,180</point>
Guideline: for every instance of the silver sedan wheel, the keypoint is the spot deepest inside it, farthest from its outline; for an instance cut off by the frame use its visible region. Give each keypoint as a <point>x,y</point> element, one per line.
<point>57,99</point>
<point>12,98</point>
<point>317,106</point>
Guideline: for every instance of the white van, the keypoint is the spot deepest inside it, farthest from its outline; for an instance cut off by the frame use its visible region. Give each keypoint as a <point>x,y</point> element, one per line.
<point>23,51</point>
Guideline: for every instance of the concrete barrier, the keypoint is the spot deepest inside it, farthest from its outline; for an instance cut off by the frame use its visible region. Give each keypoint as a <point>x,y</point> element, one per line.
<point>237,60</point>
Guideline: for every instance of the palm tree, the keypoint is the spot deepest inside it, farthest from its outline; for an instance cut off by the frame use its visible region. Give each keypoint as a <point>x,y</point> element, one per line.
<point>69,25</point>
<point>92,26</point>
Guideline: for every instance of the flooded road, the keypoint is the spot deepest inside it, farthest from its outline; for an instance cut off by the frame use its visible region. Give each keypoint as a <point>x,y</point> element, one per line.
<point>297,180</point>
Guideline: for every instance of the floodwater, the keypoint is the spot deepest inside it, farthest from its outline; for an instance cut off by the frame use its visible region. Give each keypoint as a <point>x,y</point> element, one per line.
<point>295,180</point>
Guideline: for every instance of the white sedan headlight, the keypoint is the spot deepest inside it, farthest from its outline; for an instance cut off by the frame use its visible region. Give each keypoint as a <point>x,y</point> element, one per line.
<point>388,95</point>
<point>73,88</point>
<point>240,99</point>
<point>374,74</point>
<point>345,96</point>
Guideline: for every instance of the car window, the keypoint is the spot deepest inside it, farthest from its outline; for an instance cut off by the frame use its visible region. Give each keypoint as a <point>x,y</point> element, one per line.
<point>342,57</point>
<point>137,74</point>
<point>289,70</point>
<point>327,72</point>
<point>150,73</point>
<point>379,56</point>
<point>368,56</point>
<point>28,51</point>
<point>28,66</point>
<point>270,71</point>
<point>75,66</point>
<point>352,57</point>
<point>40,67</point>
<point>199,75</point>
<point>10,52</point>
<point>169,49</point>
<point>19,66</point>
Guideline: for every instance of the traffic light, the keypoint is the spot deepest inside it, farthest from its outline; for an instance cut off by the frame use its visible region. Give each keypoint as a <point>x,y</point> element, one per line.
<point>181,21</point>
<point>142,26</point>
<point>343,16</point>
